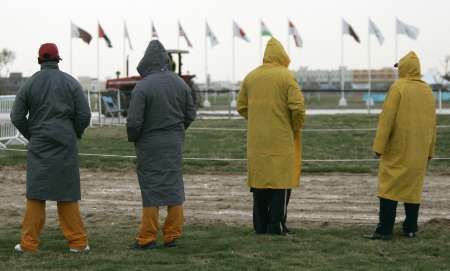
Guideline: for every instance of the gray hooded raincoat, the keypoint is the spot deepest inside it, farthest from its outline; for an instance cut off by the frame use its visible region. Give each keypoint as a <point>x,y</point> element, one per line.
<point>161,108</point>
<point>58,113</point>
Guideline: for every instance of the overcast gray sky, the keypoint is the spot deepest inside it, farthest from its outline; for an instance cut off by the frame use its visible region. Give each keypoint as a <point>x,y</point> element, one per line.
<point>25,24</point>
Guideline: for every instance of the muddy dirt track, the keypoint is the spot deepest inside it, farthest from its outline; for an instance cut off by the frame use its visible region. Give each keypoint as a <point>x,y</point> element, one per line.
<point>332,198</point>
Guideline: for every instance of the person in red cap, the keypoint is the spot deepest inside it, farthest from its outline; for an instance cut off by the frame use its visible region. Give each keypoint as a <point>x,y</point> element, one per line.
<point>52,112</point>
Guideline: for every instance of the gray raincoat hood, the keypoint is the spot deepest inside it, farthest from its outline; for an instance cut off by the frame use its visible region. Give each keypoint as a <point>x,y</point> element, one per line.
<point>155,59</point>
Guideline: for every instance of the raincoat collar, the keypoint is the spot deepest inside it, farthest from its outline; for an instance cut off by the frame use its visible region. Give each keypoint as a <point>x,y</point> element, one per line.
<point>49,65</point>
<point>155,59</point>
<point>409,66</point>
<point>275,54</point>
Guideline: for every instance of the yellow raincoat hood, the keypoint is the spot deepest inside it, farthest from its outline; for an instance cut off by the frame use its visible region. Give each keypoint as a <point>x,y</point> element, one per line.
<point>409,66</point>
<point>275,54</point>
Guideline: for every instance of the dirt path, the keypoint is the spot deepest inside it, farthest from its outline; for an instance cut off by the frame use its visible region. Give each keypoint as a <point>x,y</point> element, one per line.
<point>340,198</point>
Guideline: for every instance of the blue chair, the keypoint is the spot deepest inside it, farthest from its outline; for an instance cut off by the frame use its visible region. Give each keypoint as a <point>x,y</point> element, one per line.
<point>110,106</point>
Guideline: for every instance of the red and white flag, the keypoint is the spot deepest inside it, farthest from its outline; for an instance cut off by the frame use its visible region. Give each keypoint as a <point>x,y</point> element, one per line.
<point>239,32</point>
<point>154,32</point>
<point>77,32</point>
<point>182,33</point>
<point>102,34</point>
<point>293,31</point>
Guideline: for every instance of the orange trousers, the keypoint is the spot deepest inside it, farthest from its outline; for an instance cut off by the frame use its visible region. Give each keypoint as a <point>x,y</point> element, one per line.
<point>172,229</point>
<point>69,220</point>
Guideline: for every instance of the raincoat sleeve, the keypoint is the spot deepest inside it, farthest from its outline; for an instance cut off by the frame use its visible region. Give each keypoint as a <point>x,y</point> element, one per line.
<point>19,113</point>
<point>82,111</point>
<point>190,114</point>
<point>295,104</point>
<point>136,113</point>
<point>386,120</point>
<point>242,105</point>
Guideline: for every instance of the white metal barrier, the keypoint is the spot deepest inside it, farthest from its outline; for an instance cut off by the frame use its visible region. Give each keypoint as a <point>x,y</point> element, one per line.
<point>8,133</point>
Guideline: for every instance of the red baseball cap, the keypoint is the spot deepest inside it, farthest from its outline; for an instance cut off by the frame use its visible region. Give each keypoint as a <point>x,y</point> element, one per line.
<point>49,51</point>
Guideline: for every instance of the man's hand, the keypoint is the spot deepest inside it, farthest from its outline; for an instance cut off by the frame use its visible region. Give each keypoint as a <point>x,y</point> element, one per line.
<point>430,158</point>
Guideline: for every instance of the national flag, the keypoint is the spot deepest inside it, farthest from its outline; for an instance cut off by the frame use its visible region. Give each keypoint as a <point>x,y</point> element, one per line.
<point>154,32</point>
<point>373,29</point>
<point>101,34</point>
<point>77,32</point>
<point>348,29</point>
<point>405,29</point>
<point>126,35</point>
<point>265,30</point>
<point>212,37</point>
<point>239,32</point>
<point>293,31</point>
<point>182,33</point>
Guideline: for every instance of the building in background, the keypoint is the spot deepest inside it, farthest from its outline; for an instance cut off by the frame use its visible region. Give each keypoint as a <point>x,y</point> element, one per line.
<point>354,79</point>
<point>10,85</point>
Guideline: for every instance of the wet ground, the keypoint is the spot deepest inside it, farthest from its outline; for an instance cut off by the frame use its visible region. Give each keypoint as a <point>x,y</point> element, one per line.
<point>321,199</point>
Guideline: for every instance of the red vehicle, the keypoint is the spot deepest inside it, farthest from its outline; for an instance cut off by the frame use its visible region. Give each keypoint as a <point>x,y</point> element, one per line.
<point>126,84</point>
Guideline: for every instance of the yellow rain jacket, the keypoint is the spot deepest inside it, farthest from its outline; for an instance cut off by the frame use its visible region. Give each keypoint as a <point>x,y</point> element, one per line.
<point>272,101</point>
<point>406,134</point>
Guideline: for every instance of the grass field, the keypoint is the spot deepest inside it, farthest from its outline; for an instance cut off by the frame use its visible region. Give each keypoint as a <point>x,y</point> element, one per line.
<point>221,247</point>
<point>231,144</point>
<point>233,246</point>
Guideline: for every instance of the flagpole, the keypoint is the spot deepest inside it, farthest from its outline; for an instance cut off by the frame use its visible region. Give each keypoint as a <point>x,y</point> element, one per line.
<point>369,71</point>
<point>233,78</point>
<point>124,50</point>
<point>98,79</point>
<point>288,41</point>
<point>396,40</point>
<point>342,101</point>
<point>206,102</point>
<point>260,39</point>
<point>71,48</point>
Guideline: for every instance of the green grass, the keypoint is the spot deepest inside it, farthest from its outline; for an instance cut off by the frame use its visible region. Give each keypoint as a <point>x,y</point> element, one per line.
<point>220,247</point>
<point>232,144</point>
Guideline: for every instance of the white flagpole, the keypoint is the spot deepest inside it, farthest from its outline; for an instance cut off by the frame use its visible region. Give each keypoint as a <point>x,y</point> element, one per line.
<point>369,72</point>
<point>233,78</point>
<point>260,39</point>
<point>98,80</point>
<point>178,36</point>
<point>71,48</point>
<point>206,102</point>
<point>124,61</point>
<point>342,100</point>
<point>288,40</point>
<point>396,40</point>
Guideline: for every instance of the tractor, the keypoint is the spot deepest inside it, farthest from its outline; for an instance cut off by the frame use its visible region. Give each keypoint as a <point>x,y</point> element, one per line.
<point>126,84</point>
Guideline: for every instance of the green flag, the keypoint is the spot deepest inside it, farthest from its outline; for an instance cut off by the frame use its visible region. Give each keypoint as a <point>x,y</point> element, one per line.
<point>265,30</point>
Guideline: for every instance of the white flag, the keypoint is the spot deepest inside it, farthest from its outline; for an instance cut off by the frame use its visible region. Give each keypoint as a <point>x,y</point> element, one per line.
<point>373,29</point>
<point>212,37</point>
<point>405,29</point>
<point>294,33</point>
<point>154,32</point>
<point>126,35</point>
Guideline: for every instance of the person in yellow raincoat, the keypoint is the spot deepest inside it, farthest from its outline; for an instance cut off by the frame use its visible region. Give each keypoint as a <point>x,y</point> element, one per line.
<point>272,102</point>
<point>405,141</point>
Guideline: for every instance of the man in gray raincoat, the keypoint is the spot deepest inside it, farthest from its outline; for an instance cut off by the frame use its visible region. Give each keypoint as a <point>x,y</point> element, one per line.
<point>58,114</point>
<point>160,111</point>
